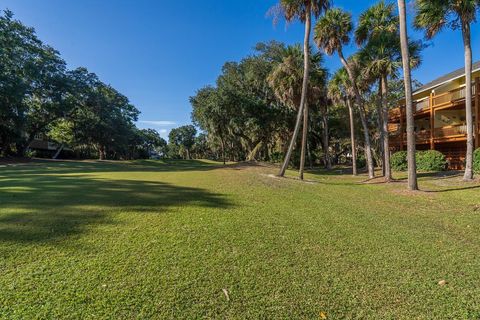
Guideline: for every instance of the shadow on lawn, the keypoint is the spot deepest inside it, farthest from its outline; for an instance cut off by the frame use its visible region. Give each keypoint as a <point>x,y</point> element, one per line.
<point>66,167</point>
<point>44,208</point>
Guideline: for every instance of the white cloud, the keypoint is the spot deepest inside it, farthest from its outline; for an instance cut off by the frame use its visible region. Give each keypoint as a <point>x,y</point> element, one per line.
<point>163,131</point>
<point>159,123</point>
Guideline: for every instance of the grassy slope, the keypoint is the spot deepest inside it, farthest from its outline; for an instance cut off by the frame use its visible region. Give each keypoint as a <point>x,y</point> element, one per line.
<point>161,240</point>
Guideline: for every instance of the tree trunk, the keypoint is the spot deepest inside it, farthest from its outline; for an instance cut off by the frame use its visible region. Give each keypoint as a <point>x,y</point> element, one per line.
<point>102,153</point>
<point>380,125</point>
<point>223,150</point>
<point>352,137</point>
<point>303,103</point>
<point>309,153</point>
<point>363,117</point>
<point>468,176</point>
<point>58,151</point>
<point>412,166</point>
<point>306,73</point>
<point>328,162</point>
<point>384,115</point>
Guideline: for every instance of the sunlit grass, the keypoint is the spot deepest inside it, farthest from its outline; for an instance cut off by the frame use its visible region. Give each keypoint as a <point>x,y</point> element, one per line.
<point>155,239</point>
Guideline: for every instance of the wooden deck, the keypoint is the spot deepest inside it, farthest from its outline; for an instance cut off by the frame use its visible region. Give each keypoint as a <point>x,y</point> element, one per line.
<point>448,139</point>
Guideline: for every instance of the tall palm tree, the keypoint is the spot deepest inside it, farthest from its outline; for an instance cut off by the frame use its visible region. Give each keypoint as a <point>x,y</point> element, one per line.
<point>377,26</point>
<point>287,76</point>
<point>433,16</point>
<point>339,90</point>
<point>332,32</point>
<point>412,166</point>
<point>378,30</point>
<point>301,10</point>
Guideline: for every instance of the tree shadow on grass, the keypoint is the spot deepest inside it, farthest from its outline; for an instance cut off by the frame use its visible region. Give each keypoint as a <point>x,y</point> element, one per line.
<point>459,188</point>
<point>70,167</point>
<point>46,208</point>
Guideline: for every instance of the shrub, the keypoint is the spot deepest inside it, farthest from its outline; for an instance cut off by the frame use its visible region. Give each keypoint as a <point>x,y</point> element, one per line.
<point>361,161</point>
<point>431,160</point>
<point>276,157</point>
<point>476,161</point>
<point>398,161</point>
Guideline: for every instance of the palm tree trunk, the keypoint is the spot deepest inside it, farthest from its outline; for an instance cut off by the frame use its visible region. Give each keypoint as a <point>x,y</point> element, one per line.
<point>363,118</point>
<point>384,115</point>
<point>302,104</point>
<point>468,176</point>
<point>309,153</point>
<point>306,57</point>
<point>352,137</point>
<point>412,166</point>
<point>380,126</point>
<point>328,162</point>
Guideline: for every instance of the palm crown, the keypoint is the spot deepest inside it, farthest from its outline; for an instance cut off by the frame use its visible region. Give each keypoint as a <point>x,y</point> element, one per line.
<point>333,30</point>
<point>434,15</point>
<point>376,22</point>
<point>298,9</point>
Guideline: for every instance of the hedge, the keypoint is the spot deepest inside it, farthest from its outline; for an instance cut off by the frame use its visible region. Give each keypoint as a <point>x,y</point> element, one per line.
<point>430,160</point>
<point>476,161</point>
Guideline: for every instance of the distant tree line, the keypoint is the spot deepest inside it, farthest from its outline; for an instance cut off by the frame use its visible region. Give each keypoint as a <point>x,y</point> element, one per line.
<point>74,109</point>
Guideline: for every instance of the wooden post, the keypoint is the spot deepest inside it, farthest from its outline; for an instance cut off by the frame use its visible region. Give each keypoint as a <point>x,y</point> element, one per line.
<point>432,122</point>
<point>401,128</point>
<point>477,113</point>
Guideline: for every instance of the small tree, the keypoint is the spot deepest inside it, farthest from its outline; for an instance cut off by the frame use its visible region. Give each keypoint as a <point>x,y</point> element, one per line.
<point>184,138</point>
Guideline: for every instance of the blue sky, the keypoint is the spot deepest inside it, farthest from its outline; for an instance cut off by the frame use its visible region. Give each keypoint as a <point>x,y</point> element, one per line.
<point>158,53</point>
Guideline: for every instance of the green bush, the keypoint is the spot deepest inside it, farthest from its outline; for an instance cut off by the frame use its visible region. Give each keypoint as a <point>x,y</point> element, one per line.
<point>276,157</point>
<point>431,160</point>
<point>398,161</point>
<point>476,161</point>
<point>361,161</point>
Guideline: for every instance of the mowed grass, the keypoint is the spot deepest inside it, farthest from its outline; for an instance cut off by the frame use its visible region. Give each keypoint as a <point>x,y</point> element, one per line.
<point>164,240</point>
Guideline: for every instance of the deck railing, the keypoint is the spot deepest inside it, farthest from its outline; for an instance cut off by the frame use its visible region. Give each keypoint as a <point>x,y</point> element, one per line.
<point>422,104</point>
<point>449,97</point>
<point>438,101</point>
<point>423,136</point>
<point>450,131</point>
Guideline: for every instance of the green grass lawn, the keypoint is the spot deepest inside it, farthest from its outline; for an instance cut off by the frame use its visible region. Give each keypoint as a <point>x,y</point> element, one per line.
<point>166,240</point>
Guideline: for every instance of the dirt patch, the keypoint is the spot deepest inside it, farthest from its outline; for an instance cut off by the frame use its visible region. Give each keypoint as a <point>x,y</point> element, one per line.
<point>381,180</point>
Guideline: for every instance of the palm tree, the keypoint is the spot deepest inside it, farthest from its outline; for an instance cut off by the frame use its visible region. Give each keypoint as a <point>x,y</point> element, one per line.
<point>301,10</point>
<point>339,90</point>
<point>287,76</point>
<point>332,32</point>
<point>433,16</point>
<point>378,28</point>
<point>412,166</point>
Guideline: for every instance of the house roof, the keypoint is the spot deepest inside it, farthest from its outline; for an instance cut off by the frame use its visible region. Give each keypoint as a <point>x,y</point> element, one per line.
<point>447,78</point>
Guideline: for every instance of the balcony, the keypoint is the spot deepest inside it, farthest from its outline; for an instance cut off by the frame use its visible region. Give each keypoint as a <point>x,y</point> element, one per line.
<point>451,97</point>
<point>443,100</point>
<point>450,133</point>
<point>421,137</point>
